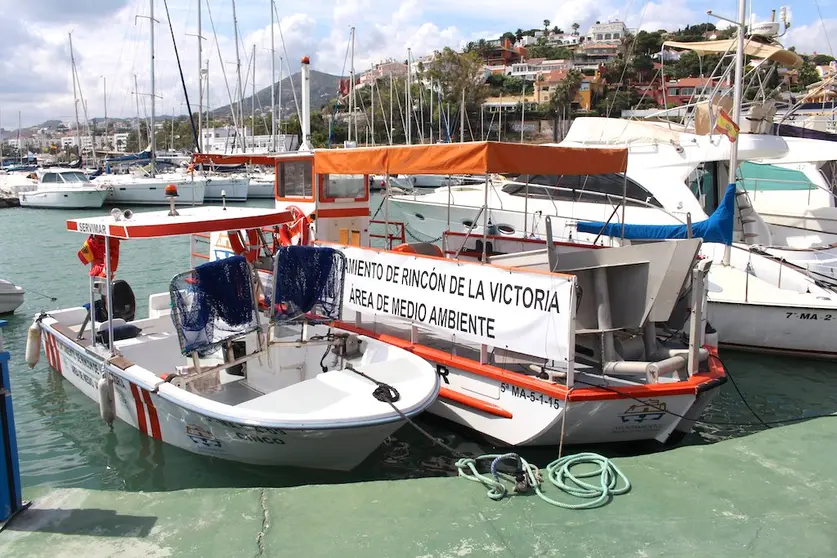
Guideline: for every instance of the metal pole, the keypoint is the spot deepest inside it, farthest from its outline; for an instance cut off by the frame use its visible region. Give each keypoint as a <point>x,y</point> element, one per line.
<point>372,109</point>
<point>272,82</point>
<point>522,111</point>
<point>409,101</point>
<point>462,119</point>
<point>200,85</point>
<point>139,127</point>
<point>153,99</point>
<point>391,129</point>
<point>281,69</point>
<point>109,290</point>
<point>352,87</point>
<point>75,101</point>
<point>106,107</point>
<point>238,73</point>
<point>484,221</point>
<point>253,102</point>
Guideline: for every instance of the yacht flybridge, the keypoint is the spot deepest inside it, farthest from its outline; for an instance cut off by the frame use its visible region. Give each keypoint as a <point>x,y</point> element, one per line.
<point>221,367</point>
<point>581,362</point>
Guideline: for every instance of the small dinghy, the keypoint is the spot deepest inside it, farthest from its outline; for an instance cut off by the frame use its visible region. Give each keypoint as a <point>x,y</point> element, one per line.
<point>11,296</point>
<point>220,366</point>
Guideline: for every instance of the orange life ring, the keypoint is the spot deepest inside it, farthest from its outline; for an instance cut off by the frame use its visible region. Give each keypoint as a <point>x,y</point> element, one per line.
<point>250,250</point>
<point>294,233</point>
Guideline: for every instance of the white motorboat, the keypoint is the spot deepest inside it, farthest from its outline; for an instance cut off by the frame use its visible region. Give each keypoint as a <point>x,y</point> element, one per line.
<point>11,297</point>
<point>211,371</point>
<point>59,188</point>
<point>227,187</point>
<point>132,189</point>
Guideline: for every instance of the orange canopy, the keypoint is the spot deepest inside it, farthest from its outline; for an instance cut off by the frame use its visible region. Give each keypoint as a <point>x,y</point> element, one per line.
<point>472,158</point>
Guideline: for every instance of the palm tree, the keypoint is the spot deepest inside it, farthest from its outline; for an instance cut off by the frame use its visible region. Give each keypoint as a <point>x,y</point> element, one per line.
<point>546,26</point>
<point>575,27</point>
<point>519,35</point>
<point>561,100</point>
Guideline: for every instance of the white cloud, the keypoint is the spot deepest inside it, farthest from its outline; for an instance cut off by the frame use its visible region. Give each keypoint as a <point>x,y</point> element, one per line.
<point>813,37</point>
<point>109,41</point>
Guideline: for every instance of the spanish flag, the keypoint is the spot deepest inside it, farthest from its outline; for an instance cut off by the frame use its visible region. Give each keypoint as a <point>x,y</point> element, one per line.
<point>86,254</point>
<point>726,126</point>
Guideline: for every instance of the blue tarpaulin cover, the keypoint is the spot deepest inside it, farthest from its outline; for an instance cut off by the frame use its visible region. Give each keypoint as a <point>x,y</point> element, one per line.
<point>718,228</point>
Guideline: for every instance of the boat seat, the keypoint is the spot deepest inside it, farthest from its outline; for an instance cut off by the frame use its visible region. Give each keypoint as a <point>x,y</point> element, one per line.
<point>309,396</point>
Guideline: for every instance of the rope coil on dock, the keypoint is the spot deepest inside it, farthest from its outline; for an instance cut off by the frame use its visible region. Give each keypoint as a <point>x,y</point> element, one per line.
<point>612,482</point>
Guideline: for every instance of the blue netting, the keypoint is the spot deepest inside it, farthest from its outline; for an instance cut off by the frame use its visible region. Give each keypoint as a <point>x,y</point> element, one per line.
<point>212,304</point>
<point>308,283</point>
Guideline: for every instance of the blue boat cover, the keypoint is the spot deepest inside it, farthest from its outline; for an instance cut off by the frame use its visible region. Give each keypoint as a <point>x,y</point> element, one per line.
<point>717,228</point>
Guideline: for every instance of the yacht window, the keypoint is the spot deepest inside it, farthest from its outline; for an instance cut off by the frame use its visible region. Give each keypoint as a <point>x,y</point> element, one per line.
<point>593,188</point>
<point>344,186</point>
<point>295,179</point>
<point>50,178</point>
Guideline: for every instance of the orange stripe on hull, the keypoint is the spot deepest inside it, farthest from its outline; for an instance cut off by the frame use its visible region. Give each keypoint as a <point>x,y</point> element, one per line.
<point>474,403</point>
<point>140,410</point>
<point>688,387</point>
<point>152,415</point>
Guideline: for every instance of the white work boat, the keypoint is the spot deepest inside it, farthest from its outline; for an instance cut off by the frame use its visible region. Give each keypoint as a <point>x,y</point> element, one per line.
<point>57,188</point>
<point>11,297</point>
<point>212,371</point>
<point>527,355</point>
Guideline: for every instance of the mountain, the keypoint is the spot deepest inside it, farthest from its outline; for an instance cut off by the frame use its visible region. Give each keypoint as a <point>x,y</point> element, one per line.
<point>323,88</point>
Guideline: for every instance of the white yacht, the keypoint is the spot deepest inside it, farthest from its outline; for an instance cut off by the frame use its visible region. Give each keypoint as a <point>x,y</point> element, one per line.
<point>232,187</point>
<point>136,189</point>
<point>61,188</point>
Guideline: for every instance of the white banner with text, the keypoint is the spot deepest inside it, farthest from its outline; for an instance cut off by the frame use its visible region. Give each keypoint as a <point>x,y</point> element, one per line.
<point>525,312</point>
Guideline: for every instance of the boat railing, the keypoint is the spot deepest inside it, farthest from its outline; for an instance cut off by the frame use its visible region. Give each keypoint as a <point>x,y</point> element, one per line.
<point>810,186</point>
<point>389,235</point>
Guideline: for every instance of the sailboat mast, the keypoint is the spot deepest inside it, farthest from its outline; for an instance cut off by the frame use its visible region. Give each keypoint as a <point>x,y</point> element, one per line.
<point>409,101</point>
<point>151,131</point>
<point>391,129</point>
<point>200,84</point>
<point>281,72</point>
<point>272,83</point>
<point>75,99</point>
<point>352,88</point>
<point>253,101</point>
<point>19,146</point>
<point>462,119</point>
<point>139,127</point>
<point>105,87</point>
<point>372,109</point>
<point>238,73</point>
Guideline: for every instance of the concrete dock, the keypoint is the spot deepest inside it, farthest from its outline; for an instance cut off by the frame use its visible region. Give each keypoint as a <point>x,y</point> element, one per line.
<point>769,494</point>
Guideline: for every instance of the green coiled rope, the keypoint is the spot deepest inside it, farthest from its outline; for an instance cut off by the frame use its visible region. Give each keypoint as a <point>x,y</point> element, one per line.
<point>611,481</point>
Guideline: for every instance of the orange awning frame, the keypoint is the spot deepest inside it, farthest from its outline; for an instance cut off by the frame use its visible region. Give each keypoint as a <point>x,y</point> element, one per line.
<point>485,157</point>
<point>476,158</point>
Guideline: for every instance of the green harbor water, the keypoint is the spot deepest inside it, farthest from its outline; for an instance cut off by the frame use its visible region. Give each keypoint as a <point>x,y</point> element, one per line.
<point>64,443</point>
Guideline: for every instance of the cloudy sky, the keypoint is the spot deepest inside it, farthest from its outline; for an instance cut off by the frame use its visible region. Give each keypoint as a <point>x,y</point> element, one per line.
<point>110,42</point>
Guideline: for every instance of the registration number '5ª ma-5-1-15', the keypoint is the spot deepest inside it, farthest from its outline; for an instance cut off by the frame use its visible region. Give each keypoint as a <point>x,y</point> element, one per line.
<point>531,396</point>
<point>808,316</point>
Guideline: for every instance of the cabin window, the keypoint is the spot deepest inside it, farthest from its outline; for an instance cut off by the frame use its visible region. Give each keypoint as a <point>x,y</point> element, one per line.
<point>295,179</point>
<point>50,178</point>
<point>593,188</point>
<point>344,186</point>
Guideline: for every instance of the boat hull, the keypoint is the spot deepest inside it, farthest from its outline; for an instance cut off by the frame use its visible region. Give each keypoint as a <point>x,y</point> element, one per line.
<point>10,301</point>
<point>162,419</point>
<point>776,329</point>
<point>523,415</point>
<point>64,199</point>
<point>235,188</point>
<point>260,189</point>
<point>153,193</point>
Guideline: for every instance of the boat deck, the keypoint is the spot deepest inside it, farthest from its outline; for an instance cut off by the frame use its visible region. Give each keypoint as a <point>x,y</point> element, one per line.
<point>768,494</point>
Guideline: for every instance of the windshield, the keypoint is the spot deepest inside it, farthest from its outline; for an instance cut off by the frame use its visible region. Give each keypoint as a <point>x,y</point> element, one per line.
<point>592,188</point>
<point>74,177</point>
